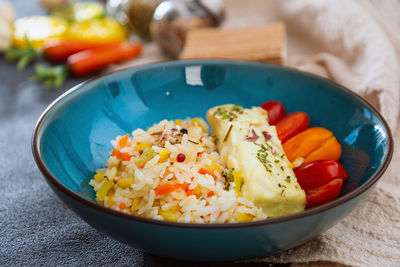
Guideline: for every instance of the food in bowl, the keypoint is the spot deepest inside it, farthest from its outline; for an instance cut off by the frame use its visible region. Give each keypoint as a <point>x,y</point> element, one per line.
<point>173,172</point>
<point>177,171</point>
<point>72,140</point>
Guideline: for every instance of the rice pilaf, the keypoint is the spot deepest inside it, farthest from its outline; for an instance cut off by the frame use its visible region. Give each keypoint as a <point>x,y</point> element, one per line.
<point>172,172</point>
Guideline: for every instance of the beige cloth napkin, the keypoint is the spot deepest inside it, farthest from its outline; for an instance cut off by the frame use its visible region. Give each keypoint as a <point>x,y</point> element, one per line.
<point>356,44</point>
<point>351,43</point>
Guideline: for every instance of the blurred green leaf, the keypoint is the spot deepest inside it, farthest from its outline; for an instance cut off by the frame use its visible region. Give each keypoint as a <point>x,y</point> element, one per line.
<point>50,77</point>
<point>22,56</point>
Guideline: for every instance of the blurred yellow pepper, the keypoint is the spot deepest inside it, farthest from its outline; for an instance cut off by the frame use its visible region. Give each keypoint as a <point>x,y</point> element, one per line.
<point>38,30</point>
<point>106,30</point>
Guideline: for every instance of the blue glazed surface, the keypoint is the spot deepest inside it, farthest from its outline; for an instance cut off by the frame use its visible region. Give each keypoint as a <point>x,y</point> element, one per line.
<point>73,139</point>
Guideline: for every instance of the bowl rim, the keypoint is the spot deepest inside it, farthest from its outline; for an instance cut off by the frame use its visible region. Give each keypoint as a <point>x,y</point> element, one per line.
<point>52,181</point>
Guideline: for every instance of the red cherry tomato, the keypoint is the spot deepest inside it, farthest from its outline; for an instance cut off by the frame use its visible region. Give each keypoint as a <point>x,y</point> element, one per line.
<point>291,125</point>
<point>275,109</point>
<point>324,194</point>
<point>318,173</point>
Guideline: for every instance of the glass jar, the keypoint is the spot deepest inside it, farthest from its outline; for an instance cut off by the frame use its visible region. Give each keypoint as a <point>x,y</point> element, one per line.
<point>136,15</point>
<point>172,19</point>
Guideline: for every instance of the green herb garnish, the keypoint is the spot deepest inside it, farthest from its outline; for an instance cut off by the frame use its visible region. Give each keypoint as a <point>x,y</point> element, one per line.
<point>228,174</point>
<point>237,108</point>
<point>215,140</point>
<point>229,114</point>
<point>262,155</point>
<point>287,179</point>
<point>227,134</point>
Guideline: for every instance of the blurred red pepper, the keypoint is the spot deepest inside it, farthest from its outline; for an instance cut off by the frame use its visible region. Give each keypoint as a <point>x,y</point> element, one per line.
<point>276,111</point>
<point>291,125</point>
<point>324,194</point>
<point>318,173</point>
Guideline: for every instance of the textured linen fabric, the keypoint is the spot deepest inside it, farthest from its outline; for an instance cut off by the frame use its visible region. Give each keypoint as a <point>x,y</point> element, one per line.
<point>37,229</point>
<point>351,43</point>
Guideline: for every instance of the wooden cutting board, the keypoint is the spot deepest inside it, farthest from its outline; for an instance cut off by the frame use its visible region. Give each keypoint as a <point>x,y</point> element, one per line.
<point>262,43</point>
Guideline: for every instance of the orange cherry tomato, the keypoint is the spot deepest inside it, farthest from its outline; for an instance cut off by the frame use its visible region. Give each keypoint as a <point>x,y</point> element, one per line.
<point>306,142</point>
<point>330,150</point>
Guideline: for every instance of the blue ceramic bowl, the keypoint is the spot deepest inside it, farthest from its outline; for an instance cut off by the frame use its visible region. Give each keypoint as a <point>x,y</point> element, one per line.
<point>72,139</point>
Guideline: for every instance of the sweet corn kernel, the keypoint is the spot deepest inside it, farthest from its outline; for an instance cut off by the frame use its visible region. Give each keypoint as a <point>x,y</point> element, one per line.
<point>126,182</point>
<point>107,185</point>
<point>110,200</point>
<point>147,155</point>
<point>178,122</point>
<point>197,191</point>
<point>164,154</point>
<point>142,146</point>
<point>171,214</point>
<point>237,178</point>
<point>135,204</point>
<point>98,177</point>
<point>244,217</point>
<point>200,123</point>
<point>215,167</point>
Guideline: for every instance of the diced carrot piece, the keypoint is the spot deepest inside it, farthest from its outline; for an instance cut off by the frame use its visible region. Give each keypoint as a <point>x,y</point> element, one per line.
<point>142,166</point>
<point>189,192</point>
<point>122,206</point>
<point>116,153</point>
<point>167,188</point>
<point>204,172</point>
<point>123,141</point>
<point>125,156</point>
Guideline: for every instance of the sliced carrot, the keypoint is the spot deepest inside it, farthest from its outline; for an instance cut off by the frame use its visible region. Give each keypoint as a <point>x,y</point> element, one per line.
<point>122,206</point>
<point>204,172</point>
<point>210,194</point>
<point>330,150</point>
<point>116,153</point>
<point>123,141</point>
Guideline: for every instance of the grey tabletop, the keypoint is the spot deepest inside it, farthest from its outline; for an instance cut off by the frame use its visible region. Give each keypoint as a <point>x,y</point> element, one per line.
<point>36,228</point>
